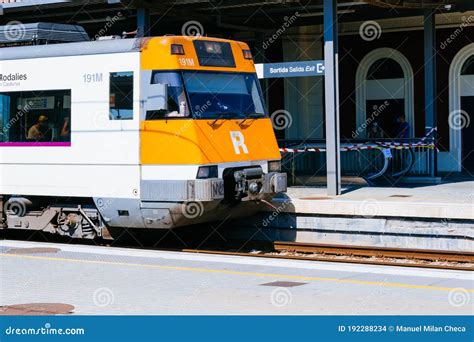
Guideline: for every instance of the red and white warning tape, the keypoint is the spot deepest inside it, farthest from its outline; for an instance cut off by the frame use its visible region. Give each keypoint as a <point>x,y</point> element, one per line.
<point>368,146</point>
<point>357,148</point>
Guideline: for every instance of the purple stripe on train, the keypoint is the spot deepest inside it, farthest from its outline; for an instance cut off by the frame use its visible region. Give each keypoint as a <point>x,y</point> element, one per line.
<point>35,144</point>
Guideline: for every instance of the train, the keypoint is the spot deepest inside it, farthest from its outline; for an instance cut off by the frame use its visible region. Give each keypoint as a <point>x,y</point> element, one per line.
<point>136,133</point>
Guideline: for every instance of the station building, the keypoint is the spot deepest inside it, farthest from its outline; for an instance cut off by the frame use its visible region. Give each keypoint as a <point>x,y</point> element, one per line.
<point>382,54</point>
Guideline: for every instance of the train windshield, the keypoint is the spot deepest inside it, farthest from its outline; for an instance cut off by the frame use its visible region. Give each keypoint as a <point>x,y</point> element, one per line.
<point>224,95</point>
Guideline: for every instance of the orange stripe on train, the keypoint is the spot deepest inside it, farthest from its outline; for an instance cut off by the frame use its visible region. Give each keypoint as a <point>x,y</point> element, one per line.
<point>187,141</point>
<point>156,55</point>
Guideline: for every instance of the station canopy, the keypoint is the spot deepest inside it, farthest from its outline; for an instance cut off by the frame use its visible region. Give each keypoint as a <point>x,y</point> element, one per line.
<point>241,15</point>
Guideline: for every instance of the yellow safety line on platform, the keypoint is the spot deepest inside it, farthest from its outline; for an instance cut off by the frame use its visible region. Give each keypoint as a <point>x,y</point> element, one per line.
<point>241,273</point>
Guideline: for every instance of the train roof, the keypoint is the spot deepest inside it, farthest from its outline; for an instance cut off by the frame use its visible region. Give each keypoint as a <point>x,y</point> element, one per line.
<point>94,47</point>
<point>97,47</point>
<point>16,33</point>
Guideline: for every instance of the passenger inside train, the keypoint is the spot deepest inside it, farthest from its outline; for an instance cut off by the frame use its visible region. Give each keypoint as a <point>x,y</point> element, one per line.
<point>40,131</point>
<point>35,116</point>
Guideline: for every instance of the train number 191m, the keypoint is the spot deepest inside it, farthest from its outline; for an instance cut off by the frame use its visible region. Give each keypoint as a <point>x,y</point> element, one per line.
<point>93,78</point>
<point>186,61</point>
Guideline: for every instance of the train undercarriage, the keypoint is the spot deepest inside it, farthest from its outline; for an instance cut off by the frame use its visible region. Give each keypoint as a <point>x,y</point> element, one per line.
<point>89,218</point>
<point>80,220</point>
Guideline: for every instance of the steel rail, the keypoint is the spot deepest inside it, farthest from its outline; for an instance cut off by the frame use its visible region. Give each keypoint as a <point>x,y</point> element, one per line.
<point>363,251</point>
<point>401,263</point>
<point>360,255</point>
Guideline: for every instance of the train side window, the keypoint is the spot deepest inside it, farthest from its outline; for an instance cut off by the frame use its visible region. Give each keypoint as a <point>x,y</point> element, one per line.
<point>121,95</point>
<point>35,116</point>
<point>166,97</point>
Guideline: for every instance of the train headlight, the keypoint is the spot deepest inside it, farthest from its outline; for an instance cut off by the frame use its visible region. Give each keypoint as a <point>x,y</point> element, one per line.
<point>205,172</point>
<point>177,49</point>
<point>274,166</point>
<point>247,54</point>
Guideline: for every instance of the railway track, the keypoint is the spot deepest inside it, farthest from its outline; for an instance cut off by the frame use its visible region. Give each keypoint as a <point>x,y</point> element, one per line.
<point>359,255</point>
<point>427,255</point>
<point>318,252</point>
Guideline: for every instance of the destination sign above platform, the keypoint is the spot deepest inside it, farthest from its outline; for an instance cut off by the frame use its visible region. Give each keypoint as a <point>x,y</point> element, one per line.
<point>290,69</point>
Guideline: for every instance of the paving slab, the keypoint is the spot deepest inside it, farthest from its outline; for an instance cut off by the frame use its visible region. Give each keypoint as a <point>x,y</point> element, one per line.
<point>119,281</point>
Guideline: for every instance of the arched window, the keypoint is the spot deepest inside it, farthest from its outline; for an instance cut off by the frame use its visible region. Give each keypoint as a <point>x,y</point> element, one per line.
<point>385,68</point>
<point>461,107</point>
<point>466,113</point>
<point>468,66</point>
<point>384,96</point>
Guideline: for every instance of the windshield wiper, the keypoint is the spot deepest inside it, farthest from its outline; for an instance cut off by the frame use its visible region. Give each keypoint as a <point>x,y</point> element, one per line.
<point>251,116</point>
<point>220,117</point>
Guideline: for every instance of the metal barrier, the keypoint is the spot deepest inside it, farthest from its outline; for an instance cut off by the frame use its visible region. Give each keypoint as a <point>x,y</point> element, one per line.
<point>367,159</point>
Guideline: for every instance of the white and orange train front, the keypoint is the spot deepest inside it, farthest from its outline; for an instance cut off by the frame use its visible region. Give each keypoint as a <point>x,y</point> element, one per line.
<point>207,148</point>
<point>163,132</point>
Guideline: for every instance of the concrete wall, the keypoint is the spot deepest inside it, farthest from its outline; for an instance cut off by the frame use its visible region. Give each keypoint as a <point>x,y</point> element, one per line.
<point>393,232</point>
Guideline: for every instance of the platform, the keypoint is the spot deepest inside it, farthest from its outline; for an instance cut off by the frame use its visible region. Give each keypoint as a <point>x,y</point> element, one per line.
<point>454,200</point>
<point>117,281</point>
<point>431,217</point>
